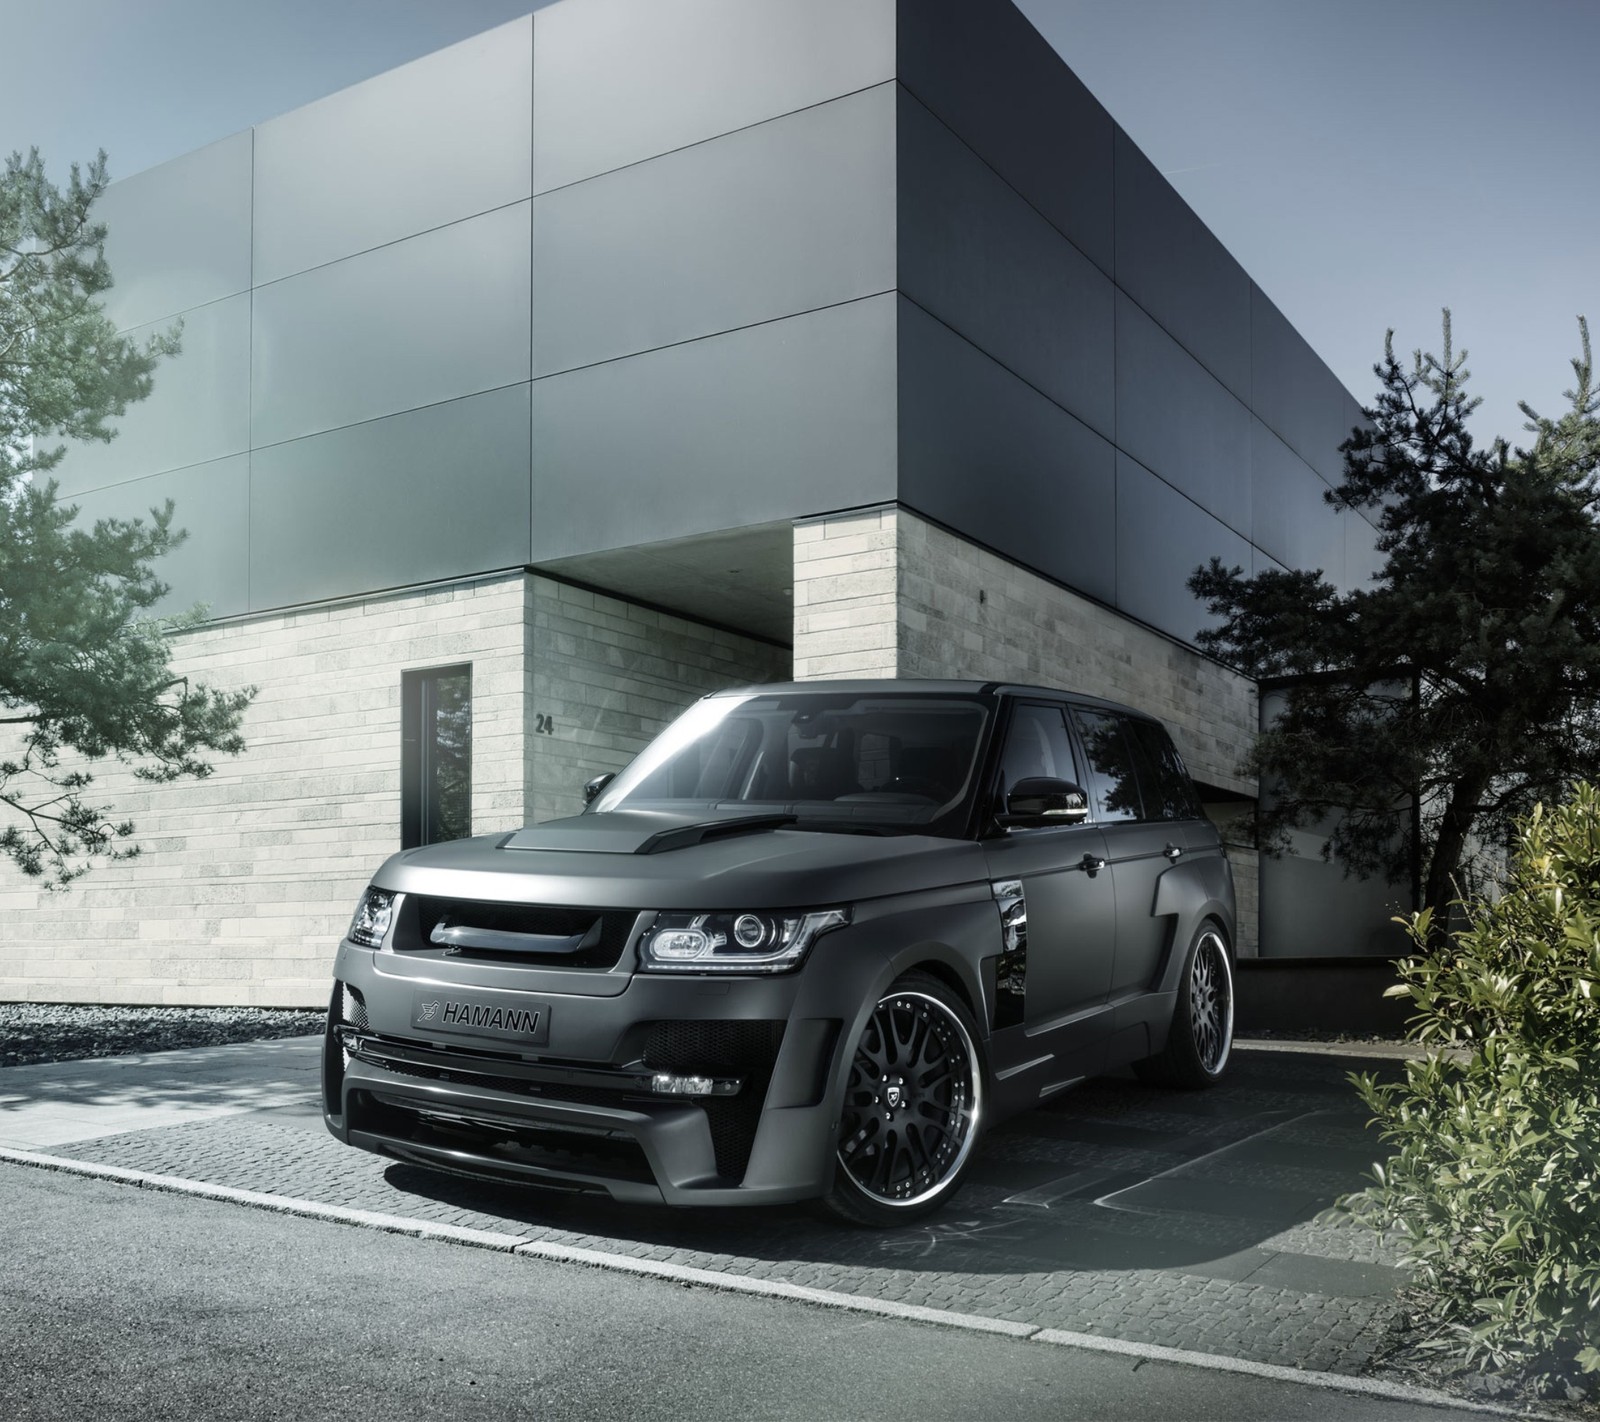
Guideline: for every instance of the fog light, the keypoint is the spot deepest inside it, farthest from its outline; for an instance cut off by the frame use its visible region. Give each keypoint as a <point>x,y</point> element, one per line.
<point>664,1083</point>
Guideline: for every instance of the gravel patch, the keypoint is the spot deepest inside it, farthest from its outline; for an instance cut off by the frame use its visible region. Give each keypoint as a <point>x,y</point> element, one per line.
<point>59,1032</point>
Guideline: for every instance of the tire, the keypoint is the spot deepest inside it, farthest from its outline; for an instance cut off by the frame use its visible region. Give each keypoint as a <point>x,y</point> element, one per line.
<point>899,1161</point>
<point>1200,1041</point>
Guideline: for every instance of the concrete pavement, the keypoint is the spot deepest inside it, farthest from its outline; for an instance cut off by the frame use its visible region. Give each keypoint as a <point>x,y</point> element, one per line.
<point>1147,1218</point>
<point>125,1305</point>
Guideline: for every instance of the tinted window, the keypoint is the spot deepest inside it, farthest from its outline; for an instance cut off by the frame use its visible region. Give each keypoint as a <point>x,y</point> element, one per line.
<point>1174,790</point>
<point>1146,768</point>
<point>1115,784</point>
<point>1037,744</point>
<point>435,756</point>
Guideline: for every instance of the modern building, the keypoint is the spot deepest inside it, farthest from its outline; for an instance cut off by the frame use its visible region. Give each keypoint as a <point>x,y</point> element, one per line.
<point>643,347</point>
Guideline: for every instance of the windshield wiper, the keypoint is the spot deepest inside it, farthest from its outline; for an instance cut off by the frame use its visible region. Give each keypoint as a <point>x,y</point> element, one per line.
<point>852,827</point>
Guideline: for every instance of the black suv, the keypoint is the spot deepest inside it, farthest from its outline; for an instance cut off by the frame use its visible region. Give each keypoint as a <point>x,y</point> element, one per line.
<point>807,945</point>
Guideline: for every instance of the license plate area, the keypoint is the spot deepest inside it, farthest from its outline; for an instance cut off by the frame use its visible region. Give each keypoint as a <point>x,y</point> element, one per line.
<point>518,1022</point>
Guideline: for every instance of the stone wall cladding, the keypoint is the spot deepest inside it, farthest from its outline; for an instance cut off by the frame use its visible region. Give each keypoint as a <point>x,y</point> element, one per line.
<point>846,596</point>
<point>248,878</point>
<point>606,675</point>
<point>884,592</point>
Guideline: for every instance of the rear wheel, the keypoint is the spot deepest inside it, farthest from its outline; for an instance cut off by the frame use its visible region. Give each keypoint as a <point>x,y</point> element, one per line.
<point>1201,1039</point>
<point>913,1107</point>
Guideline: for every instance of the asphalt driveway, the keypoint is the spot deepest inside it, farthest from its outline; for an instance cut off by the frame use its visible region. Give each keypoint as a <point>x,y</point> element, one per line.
<point>1190,1221</point>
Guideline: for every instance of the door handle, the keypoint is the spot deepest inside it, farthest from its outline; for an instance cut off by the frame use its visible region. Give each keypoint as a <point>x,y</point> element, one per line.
<point>1172,851</point>
<point>1091,865</point>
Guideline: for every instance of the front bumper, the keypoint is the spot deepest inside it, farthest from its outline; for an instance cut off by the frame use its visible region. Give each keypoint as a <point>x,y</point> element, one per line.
<point>582,1112</point>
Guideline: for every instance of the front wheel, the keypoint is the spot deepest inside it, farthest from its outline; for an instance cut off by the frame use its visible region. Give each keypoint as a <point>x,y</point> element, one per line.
<point>913,1107</point>
<point>1201,1039</point>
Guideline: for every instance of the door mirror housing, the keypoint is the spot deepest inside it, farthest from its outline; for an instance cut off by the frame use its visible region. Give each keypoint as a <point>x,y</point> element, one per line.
<point>595,786</point>
<point>1042,799</point>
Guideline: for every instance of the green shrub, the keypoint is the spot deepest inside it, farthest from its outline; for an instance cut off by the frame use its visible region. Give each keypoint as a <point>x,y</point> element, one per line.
<point>1497,1130</point>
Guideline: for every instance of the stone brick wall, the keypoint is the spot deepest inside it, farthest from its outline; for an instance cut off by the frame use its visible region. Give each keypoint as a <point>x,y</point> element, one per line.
<point>604,676</point>
<point>884,592</point>
<point>248,878</point>
<point>846,596</point>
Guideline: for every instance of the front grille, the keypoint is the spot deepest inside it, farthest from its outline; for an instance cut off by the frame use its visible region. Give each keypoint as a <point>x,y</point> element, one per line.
<point>736,1048</point>
<point>545,1091</point>
<point>602,933</point>
<point>611,1155</point>
<point>746,1049</point>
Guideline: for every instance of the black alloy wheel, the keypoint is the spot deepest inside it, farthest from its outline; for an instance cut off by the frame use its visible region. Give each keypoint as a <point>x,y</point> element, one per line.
<point>913,1106</point>
<point>1201,1039</point>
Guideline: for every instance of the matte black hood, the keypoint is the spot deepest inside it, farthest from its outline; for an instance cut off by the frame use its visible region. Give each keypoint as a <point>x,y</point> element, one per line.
<point>655,859</point>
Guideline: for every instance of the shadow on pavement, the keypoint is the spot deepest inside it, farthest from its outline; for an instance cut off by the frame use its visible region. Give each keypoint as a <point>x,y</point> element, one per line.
<point>1112,1176</point>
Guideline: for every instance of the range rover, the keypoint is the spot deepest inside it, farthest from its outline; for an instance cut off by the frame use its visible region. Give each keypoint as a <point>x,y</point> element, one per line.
<point>808,945</point>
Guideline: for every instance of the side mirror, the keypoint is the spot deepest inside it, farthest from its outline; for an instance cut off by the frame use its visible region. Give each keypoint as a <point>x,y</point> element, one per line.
<point>595,786</point>
<point>1044,799</point>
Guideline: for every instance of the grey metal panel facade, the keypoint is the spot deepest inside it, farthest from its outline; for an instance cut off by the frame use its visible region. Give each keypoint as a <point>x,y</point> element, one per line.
<point>1177,419</point>
<point>1295,393</point>
<point>443,138</point>
<point>211,500</point>
<point>1361,556</point>
<point>199,409</point>
<point>178,235</point>
<point>616,81</point>
<point>1309,907</point>
<point>984,453</point>
<point>781,217</point>
<point>772,421</point>
<point>704,171</point>
<point>435,493</point>
<point>982,259</point>
<point>1161,538</point>
<point>983,69</point>
<point>1171,264</point>
<point>1290,520</point>
<point>433,318</point>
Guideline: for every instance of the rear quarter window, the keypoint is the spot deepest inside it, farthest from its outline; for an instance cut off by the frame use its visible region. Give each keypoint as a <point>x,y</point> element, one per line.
<point>1169,793</point>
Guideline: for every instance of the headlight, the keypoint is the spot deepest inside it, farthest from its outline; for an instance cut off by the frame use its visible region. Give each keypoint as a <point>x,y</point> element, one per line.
<point>373,916</point>
<point>733,942</point>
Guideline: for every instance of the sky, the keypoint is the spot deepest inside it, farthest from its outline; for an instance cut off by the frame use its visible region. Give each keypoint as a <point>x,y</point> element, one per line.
<point>1369,162</point>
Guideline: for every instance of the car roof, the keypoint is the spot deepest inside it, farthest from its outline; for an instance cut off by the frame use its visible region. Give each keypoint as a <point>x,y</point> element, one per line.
<point>886,686</point>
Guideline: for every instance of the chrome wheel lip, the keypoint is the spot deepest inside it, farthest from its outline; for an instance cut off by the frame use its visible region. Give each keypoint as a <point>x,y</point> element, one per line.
<point>1211,1003</point>
<point>973,1114</point>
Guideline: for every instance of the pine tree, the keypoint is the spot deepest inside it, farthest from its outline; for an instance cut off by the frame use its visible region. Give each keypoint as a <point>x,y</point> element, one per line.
<point>85,673</point>
<point>1467,674</point>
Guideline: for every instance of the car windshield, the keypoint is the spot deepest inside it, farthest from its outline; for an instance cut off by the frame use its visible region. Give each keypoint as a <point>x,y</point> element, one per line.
<point>896,762</point>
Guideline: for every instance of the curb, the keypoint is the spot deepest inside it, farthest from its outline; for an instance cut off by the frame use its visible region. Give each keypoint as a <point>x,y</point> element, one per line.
<point>746,1284</point>
<point>1387,1051</point>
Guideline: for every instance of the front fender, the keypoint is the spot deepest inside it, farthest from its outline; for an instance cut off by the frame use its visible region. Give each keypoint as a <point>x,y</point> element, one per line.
<point>950,930</point>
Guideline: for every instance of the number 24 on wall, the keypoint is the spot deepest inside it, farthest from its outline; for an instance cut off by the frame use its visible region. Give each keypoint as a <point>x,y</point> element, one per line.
<point>544,725</point>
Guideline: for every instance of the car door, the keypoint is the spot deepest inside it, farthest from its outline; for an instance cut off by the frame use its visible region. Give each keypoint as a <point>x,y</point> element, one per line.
<point>1070,906</point>
<point>1139,848</point>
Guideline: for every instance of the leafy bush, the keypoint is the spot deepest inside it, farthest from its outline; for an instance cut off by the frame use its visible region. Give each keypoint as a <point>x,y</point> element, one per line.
<point>1497,1130</point>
